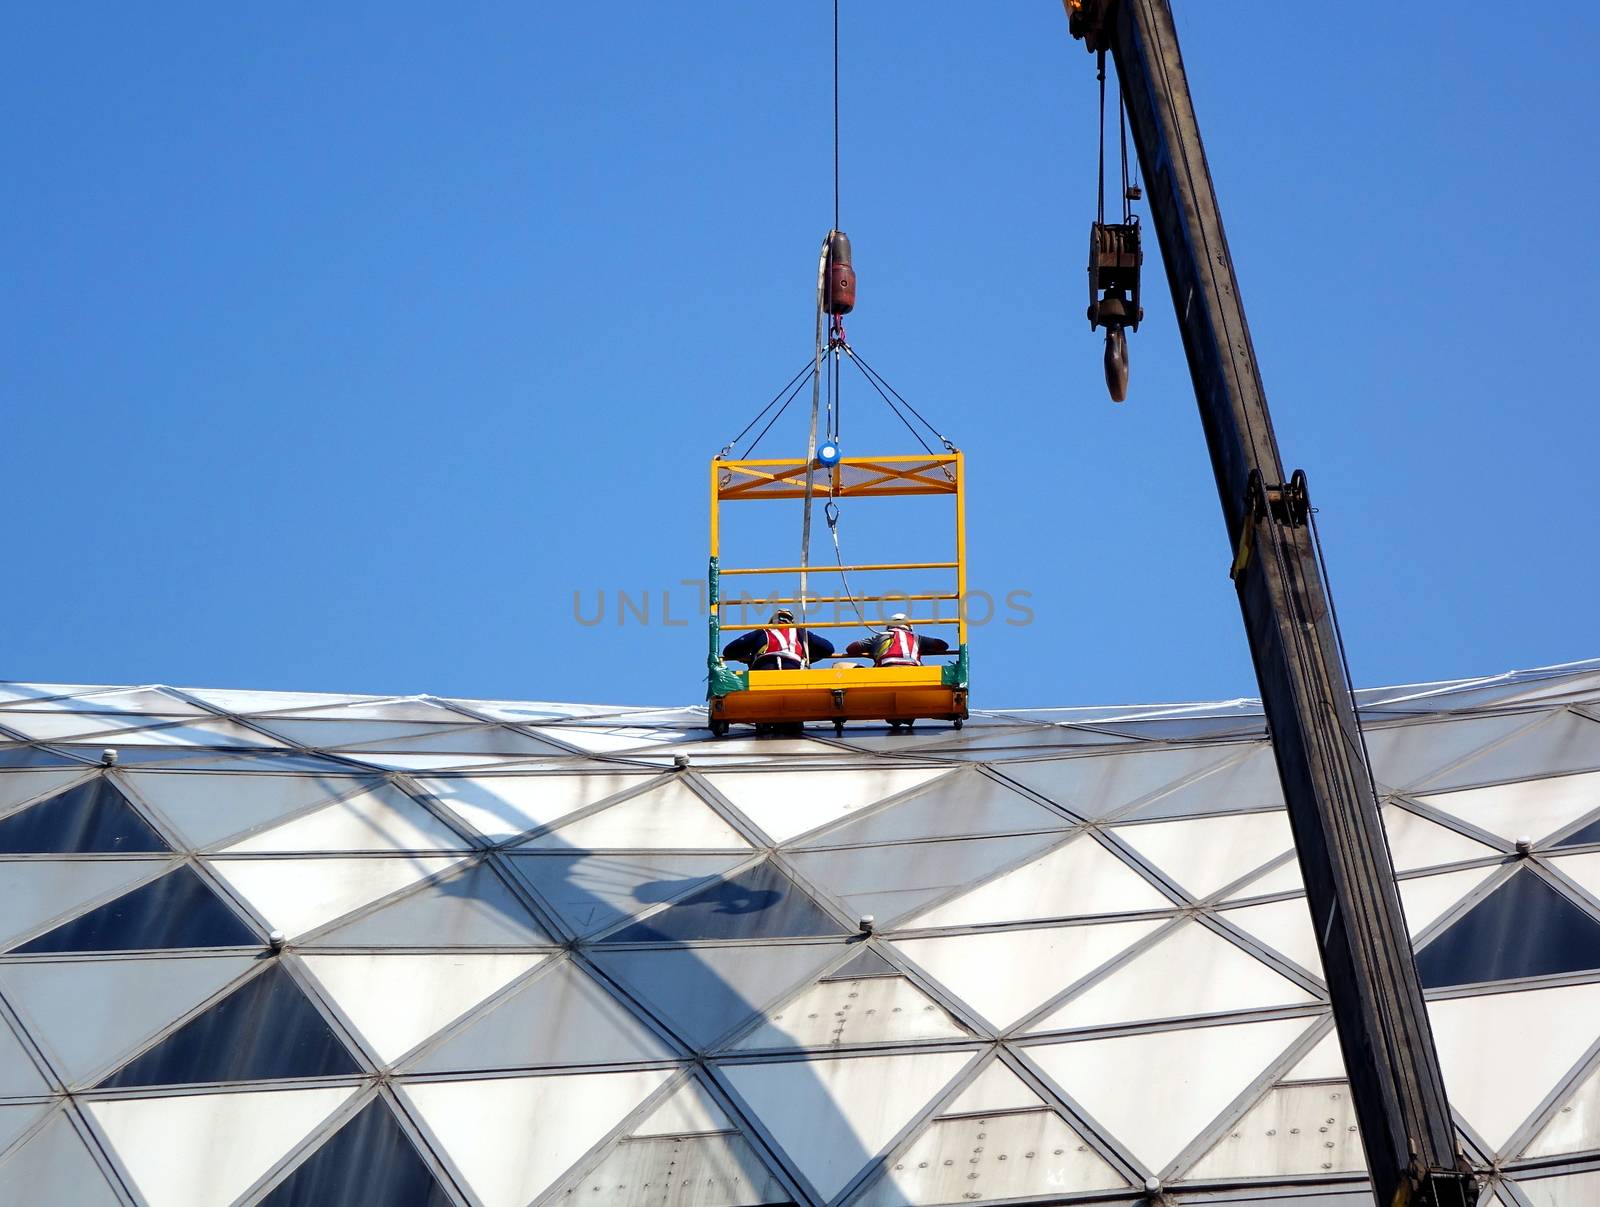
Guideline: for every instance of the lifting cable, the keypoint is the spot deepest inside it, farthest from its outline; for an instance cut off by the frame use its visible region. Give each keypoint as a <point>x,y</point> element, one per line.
<point>1122,132</point>
<point>822,348</point>
<point>796,384</point>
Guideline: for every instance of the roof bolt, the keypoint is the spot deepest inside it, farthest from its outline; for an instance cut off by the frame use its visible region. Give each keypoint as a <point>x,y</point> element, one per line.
<point>276,939</point>
<point>1152,1187</point>
<point>680,761</point>
<point>108,757</point>
<point>1524,845</point>
<point>867,924</point>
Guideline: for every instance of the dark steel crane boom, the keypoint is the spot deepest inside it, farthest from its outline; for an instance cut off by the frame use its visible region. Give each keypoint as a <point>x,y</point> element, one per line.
<point>1396,1084</point>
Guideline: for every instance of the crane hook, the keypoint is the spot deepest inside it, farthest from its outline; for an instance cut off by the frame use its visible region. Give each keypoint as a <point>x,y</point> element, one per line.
<point>1117,363</point>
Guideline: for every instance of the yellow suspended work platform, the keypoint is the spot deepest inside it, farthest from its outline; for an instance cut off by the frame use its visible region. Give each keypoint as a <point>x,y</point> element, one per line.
<point>846,690</point>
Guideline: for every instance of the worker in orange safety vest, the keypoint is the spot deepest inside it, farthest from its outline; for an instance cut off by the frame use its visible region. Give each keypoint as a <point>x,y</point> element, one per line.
<point>778,647</point>
<point>897,645</point>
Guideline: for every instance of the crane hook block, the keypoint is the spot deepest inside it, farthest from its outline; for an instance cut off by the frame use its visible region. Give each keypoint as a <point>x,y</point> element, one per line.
<point>1115,257</point>
<point>839,291</point>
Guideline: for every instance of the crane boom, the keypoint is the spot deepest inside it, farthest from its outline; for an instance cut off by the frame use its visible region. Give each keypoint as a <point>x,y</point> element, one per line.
<point>1395,1080</point>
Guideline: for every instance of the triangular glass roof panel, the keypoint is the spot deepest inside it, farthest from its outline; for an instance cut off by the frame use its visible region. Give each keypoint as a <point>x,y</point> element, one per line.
<point>760,902</point>
<point>299,895</point>
<point>369,1160</point>
<point>1204,854</point>
<point>1191,971</point>
<point>561,1017</point>
<point>19,1075</point>
<point>398,708</point>
<point>1284,926</point>
<point>328,732</point>
<point>722,1168</point>
<point>457,739</point>
<point>1411,753</point>
<point>1526,809</point>
<point>1589,833</point>
<point>210,1148</point>
<point>688,1109</point>
<point>592,892</point>
<point>398,1000</point>
<point>1575,1126</point>
<point>1425,899</point>
<point>890,882</point>
<point>208,807</point>
<point>1566,742</point>
<point>965,804</point>
<point>1496,1096</point>
<point>473,908</point>
<point>1112,1078</point>
<point>1325,1062</point>
<point>865,963</point>
<point>501,806</point>
<point>666,817</point>
<point>53,1166</point>
<point>1416,842</point>
<point>1006,974</point>
<point>16,1118</point>
<point>1099,785</point>
<point>1250,781</point>
<point>86,1015</point>
<point>1294,1130</point>
<point>875,1010</point>
<point>176,910</point>
<point>91,818</point>
<point>265,1030</point>
<point>1077,879</point>
<point>31,756</point>
<point>1018,1155</point>
<point>833,1116</point>
<point>703,993</point>
<point>1565,1190</point>
<point>381,819</point>
<point>997,1088</point>
<point>36,892</point>
<point>149,700</point>
<point>20,787</point>
<point>787,804</point>
<point>1524,928</point>
<point>1583,869</point>
<point>483,1126</point>
<point>248,702</point>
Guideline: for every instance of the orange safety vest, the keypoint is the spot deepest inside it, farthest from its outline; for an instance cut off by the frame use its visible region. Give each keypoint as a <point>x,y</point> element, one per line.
<point>785,645</point>
<point>897,647</point>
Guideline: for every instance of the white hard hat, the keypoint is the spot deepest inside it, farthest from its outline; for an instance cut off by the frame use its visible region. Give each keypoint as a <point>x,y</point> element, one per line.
<point>899,619</point>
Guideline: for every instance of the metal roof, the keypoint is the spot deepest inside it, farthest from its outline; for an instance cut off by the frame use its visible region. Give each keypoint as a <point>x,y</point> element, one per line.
<point>309,949</point>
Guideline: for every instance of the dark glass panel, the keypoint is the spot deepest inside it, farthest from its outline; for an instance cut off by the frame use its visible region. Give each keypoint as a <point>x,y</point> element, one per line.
<point>91,818</point>
<point>266,1029</point>
<point>176,910</point>
<point>1589,833</point>
<point>368,1163</point>
<point>1524,928</point>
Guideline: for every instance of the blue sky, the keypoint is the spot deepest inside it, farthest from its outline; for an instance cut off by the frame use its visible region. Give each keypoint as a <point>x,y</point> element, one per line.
<point>345,344</point>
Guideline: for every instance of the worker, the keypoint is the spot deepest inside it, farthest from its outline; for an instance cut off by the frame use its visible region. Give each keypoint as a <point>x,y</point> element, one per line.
<point>897,645</point>
<point>778,647</point>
